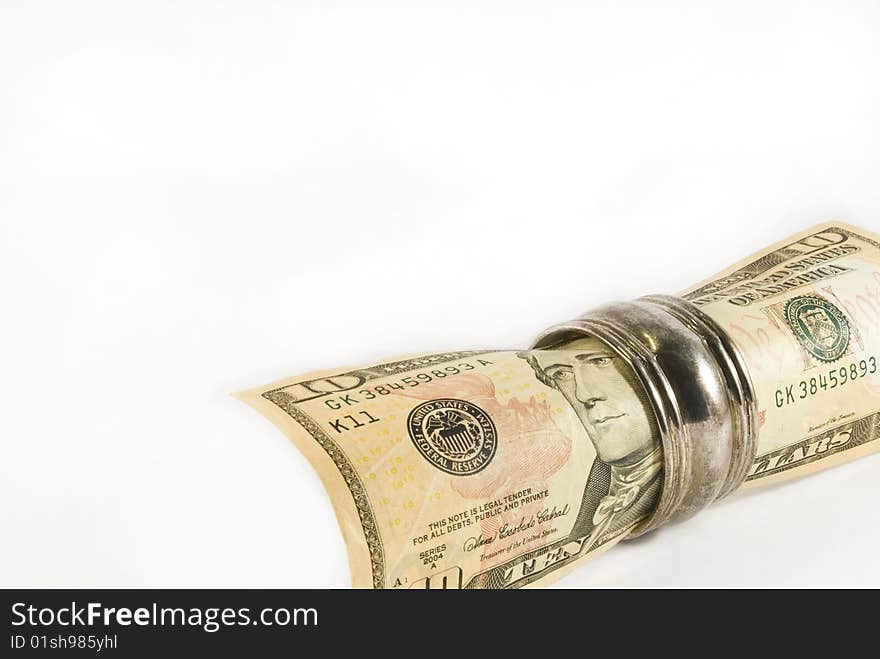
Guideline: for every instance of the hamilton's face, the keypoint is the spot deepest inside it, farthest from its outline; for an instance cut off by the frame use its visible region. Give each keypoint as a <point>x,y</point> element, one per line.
<point>600,387</point>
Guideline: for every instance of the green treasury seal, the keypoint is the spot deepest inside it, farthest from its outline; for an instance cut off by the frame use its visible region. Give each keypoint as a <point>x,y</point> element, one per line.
<point>821,327</point>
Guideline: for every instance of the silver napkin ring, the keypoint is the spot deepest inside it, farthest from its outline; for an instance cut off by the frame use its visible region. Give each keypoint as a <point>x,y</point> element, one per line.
<point>698,386</point>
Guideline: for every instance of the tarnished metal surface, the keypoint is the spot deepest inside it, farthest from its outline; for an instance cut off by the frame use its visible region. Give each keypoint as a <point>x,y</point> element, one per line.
<point>699,389</point>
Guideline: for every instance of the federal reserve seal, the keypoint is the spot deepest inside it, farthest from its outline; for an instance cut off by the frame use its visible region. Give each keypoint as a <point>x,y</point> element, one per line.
<point>454,435</point>
<point>821,327</point>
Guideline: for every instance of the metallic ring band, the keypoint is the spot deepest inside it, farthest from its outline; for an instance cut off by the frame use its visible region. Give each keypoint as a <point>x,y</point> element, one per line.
<point>698,386</point>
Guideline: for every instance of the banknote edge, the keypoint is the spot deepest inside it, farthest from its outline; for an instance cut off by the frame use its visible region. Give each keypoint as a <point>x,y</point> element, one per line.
<point>337,490</point>
<point>742,264</point>
<point>820,462</point>
<point>293,422</point>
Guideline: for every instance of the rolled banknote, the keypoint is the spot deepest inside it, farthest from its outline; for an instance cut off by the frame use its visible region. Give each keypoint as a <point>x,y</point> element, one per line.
<point>506,469</point>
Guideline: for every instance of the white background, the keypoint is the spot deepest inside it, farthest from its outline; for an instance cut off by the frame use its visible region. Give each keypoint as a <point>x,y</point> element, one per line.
<point>200,197</point>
